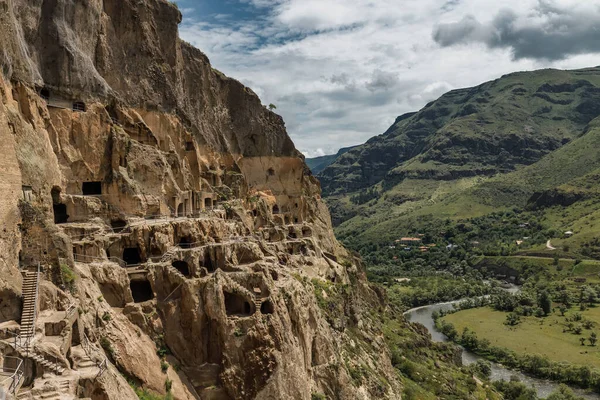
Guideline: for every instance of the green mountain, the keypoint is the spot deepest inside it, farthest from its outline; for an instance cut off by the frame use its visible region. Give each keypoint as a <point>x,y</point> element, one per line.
<point>318,164</point>
<point>527,141</point>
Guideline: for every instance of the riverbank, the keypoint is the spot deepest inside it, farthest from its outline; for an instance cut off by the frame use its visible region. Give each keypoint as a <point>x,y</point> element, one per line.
<point>543,387</point>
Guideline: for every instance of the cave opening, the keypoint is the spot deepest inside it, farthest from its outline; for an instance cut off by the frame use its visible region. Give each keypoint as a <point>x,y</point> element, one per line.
<point>60,213</point>
<point>180,210</point>
<point>267,307</point>
<point>118,225</point>
<point>182,267</point>
<point>141,291</point>
<point>208,203</point>
<point>45,94</point>
<point>237,305</point>
<point>208,264</point>
<point>59,209</point>
<point>91,188</point>
<point>131,256</point>
<point>75,339</point>
<point>185,242</point>
<point>275,209</point>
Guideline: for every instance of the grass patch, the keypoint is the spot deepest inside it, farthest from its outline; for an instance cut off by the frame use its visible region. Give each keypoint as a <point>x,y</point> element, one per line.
<point>543,336</point>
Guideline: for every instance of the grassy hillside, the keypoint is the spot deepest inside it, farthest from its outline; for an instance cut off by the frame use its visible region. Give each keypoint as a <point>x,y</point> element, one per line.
<point>496,127</point>
<point>525,145</point>
<point>318,164</point>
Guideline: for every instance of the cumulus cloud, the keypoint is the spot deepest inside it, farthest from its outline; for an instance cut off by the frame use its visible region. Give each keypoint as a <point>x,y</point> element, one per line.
<point>341,71</point>
<point>551,31</point>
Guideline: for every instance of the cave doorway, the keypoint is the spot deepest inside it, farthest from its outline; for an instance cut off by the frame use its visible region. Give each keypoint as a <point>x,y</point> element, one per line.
<point>275,209</point>
<point>141,291</point>
<point>118,225</point>
<point>75,339</point>
<point>185,242</point>
<point>60,213</point>
<point>236,305</point>
<point>131,256</point>
<point>180,210</point>
<point>182,267</point>
<point>267,307</point>
<point>208,264</point>
<point>59,209</point>
<point>91,188</point>
<point>208,203</point>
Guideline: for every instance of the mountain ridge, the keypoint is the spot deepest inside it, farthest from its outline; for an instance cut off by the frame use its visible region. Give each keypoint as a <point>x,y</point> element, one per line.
<point>525,140</point>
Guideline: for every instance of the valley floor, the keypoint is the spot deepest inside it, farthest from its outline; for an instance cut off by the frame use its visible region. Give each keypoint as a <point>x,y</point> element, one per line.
<point>543,336</point>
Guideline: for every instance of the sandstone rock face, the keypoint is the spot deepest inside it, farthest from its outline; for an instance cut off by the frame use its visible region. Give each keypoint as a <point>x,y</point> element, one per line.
<point>183,241</point>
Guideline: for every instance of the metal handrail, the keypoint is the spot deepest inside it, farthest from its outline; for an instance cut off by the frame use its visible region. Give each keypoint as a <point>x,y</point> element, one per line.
<point>70,310</point>
<point>17,375</point>
<point>103,366</point>
<point>87,348</point>
<point>174,290</point>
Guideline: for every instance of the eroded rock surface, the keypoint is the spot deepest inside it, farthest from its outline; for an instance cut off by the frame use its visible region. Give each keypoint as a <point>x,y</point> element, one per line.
<point>183,242</point>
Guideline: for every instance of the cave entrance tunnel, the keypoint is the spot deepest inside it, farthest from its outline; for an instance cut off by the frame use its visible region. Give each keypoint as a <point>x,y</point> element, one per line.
<point>91,188</point>
<point>131,256</point>
<point>60,213</point>
<point>180,210</point>
<point>185,242</point>
<point>275,209</point>
<point>75,339</point>
<point>208,263</point>
<point>208,202</point>
<point>59,209</point>
<point>182,267</point>
<point>237,305</point>
<point>141,290</point>
<point>118,225</point>
<point>267,307</point>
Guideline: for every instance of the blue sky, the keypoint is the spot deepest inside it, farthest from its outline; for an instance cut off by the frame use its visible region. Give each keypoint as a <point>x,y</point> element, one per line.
<point>341,71</point>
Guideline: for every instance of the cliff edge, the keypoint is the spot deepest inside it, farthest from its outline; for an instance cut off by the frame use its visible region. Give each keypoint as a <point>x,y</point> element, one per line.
<point>160,230</point>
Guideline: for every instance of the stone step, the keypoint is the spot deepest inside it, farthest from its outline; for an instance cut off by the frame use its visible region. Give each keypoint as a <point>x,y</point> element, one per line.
<point>87,364</point>
<point>50,395</point>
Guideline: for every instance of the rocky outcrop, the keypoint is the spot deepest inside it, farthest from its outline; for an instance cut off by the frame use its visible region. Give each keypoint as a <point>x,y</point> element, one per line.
<point>183,241</point>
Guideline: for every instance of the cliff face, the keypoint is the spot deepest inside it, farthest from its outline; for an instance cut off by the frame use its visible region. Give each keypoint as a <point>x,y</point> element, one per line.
<point>171,210</point>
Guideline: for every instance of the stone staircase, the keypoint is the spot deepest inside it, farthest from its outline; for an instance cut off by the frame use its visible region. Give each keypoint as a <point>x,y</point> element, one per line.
<point>51,365</point>
<point>257,304</point>
<point>169,254</point>
<point>58,392</point>
<point>30,292</point>
<point>30,296</point>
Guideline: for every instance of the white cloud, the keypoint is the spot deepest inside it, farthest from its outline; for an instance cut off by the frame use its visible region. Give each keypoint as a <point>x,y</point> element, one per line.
<point>340,71</point>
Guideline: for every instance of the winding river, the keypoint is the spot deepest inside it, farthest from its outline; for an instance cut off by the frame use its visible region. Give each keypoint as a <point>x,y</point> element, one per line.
<point>543,387</point>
